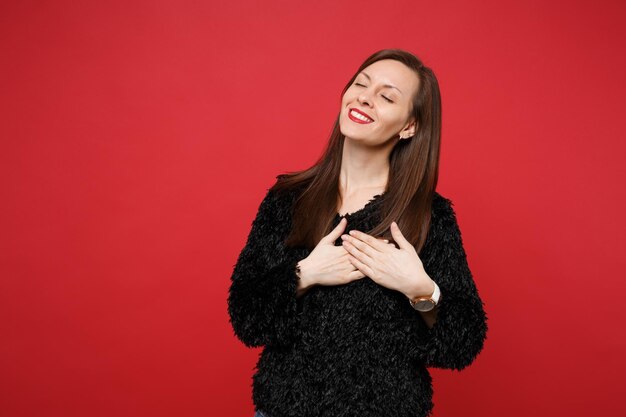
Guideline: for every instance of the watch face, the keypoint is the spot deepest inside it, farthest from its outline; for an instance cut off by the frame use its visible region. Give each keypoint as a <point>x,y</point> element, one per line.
<point>424,305</point>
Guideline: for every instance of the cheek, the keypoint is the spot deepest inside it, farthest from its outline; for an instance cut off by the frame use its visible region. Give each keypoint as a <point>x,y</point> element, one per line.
<point>348,97</point>
<point>391,119</point>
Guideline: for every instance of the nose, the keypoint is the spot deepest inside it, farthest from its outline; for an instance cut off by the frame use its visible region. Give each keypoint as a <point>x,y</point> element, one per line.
<point>364,98</point>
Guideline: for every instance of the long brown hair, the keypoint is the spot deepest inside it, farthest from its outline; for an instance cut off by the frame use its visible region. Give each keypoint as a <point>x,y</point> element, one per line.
<point>413,170</point>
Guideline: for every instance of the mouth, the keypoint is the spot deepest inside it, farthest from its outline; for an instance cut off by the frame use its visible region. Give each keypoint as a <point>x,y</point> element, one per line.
<point>359,117</point>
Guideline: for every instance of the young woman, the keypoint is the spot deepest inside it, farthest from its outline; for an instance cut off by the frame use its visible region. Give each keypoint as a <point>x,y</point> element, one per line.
<point>354,277</point>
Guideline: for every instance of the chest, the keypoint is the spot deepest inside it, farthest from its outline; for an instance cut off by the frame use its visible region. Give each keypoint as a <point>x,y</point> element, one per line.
<point>355,203</point>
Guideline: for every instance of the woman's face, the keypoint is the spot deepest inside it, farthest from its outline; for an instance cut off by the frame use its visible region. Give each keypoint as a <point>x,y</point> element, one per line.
<point>382,94</point>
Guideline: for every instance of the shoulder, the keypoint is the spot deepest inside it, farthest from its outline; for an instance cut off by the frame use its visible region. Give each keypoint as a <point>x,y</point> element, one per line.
<point>443,232</point>
<point>442,207</point>
<point>443,217</point>
<point>287,191</point>
<point>279,198</point>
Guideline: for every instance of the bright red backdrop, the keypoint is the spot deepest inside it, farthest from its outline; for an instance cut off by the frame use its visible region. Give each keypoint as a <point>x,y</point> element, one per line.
<point>139,137</point>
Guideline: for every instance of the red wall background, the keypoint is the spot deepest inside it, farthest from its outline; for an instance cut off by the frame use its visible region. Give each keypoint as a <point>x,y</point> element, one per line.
<point>139,137</point>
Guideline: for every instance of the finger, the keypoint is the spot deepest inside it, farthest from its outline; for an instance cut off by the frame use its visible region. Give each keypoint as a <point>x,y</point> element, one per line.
<point>354,275</point>
<point>358,258</point>
<point>356,235</point>
<point>360,249</point>
<point>361,266</point>
<point>399,238</point>
<point>387,244</point>
<point>385,241</point>
<point>336,232</point>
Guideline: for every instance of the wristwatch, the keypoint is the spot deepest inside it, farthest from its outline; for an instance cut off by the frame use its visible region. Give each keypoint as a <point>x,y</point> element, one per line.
<point>427,303</point>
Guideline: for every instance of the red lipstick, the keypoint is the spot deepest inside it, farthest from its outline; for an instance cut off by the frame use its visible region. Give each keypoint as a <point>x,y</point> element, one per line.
<point>357,120</point>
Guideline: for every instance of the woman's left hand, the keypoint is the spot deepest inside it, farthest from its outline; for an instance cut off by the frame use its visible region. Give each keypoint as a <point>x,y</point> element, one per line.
<point>399,269</point>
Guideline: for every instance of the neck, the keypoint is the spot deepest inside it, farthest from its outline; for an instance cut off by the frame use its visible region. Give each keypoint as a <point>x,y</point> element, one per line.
<point>364,167</point>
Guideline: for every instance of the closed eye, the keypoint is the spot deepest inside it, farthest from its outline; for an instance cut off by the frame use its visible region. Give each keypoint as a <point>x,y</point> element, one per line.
<point>361,85</point>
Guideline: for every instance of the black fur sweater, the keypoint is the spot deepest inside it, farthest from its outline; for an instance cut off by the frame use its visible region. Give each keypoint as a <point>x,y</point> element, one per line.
<point>357,349</point>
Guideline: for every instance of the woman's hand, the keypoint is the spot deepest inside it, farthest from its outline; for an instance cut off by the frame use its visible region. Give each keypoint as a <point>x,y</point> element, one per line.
<point>328,264</point>
<point>399,269</point>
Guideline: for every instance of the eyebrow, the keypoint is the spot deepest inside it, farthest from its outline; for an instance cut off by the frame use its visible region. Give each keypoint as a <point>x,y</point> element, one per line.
<point>386,85</point>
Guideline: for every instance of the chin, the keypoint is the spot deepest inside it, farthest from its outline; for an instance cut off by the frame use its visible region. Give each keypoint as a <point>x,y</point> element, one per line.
<point>348,134</point>
<point>355,138</point>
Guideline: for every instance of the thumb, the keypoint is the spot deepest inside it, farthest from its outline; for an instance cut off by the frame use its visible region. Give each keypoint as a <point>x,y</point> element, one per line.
<point>336,232</point>
<point>398,237</point>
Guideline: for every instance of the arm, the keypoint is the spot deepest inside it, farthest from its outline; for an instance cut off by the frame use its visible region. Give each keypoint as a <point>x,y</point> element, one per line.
<point>262,302</point>
<point>458,334</point>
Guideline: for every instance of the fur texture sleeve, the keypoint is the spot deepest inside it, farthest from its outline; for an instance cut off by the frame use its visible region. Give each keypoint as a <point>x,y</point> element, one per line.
<point>262,302</point>
<point>458,335</point>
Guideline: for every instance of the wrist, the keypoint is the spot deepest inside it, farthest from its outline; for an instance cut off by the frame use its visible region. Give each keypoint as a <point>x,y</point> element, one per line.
<point>304,281</point>
<point>425,301</point>
<point>426,288</point>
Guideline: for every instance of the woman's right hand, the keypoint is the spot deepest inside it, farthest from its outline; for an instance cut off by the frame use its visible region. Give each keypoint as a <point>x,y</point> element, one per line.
<point>328,264</point>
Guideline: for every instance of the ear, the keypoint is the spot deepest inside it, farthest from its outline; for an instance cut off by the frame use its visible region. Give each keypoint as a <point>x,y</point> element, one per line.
<point>409,130</point>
